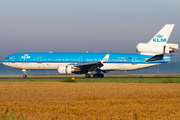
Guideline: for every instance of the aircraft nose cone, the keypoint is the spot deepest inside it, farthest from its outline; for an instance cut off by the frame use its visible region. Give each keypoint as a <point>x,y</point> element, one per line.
<point>3,63</point>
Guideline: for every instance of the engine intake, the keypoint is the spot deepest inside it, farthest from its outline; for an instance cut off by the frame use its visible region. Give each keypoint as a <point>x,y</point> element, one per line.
<point>66,69</point>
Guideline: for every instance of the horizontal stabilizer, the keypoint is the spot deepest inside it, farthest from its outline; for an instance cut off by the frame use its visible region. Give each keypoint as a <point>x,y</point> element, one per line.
<point>156,57</point>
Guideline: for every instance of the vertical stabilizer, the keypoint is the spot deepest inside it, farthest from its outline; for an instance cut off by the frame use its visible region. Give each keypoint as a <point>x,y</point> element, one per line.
<point>162,36</point>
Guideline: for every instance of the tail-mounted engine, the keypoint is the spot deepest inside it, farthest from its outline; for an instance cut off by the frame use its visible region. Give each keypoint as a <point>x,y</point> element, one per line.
<point>167,48</point>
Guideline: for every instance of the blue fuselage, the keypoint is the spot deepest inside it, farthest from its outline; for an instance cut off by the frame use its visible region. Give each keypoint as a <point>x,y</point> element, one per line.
<point>59,57</point>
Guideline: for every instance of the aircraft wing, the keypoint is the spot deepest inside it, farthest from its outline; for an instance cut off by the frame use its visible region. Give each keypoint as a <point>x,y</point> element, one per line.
<point>93,65</point>
<point>87,65</point>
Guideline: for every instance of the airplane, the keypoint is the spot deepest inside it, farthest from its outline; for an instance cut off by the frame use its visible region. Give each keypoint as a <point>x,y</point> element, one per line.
<point>153,53</point>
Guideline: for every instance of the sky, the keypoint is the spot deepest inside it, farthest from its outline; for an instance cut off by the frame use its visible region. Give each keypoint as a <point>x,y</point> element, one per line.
<point>84,25</point>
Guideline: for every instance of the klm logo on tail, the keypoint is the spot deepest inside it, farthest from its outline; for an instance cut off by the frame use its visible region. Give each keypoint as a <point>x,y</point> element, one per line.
<point>159,38</point>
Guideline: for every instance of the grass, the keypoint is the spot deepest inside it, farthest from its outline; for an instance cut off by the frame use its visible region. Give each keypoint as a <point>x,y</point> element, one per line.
<point>106,79</point>
<point>5,115</point>
<point>68,80</point>
<point>112,97</point>
<point>61,100</point>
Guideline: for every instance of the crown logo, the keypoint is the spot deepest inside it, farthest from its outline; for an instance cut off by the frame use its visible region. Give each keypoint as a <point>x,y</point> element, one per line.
<point>26,56</point>
<point>159,36</point>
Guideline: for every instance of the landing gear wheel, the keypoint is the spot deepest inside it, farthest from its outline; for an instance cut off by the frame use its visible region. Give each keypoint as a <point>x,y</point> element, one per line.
<point>87,76</point>
<point>98,75</point>
<point>101,75</point>
<point>24,70</point>
<point>95,76</point>
<point>24,76</point>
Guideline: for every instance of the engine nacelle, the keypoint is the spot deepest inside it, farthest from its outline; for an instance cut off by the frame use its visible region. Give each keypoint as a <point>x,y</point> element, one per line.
<point>66,69</point>
<point>145,48</point>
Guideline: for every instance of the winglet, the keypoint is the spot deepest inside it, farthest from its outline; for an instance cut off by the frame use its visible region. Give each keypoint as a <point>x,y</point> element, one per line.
<point>105,59</point>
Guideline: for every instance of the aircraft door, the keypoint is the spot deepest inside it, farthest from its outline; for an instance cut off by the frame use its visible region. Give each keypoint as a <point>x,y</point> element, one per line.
<point>39,62</point>
<point>80,59</point>
<point>13,59</point>
<point>134,60</point>
<point>39,59</point>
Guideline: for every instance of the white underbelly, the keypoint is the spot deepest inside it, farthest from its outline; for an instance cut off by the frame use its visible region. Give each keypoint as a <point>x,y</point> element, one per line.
<point>125,66</point>
<point>35,66</point>
<point>54,66</point>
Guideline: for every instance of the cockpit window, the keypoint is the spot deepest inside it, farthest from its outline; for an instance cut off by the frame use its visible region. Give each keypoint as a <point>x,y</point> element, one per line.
<point>7,58</point>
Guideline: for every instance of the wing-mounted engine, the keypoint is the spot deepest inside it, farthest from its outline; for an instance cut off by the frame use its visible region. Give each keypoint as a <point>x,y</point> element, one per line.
<point>151,49</point>
<point>82,68</point>
<point>67,69</point>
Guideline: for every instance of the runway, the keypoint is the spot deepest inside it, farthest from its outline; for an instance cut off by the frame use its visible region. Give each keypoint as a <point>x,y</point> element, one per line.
<point>106,77</point>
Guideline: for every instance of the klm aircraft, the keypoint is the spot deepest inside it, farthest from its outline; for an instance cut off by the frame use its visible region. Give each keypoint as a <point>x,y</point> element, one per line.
<point>153,53</point>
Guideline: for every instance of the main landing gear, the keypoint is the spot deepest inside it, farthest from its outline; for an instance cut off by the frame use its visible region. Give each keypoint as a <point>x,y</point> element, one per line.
<point>98,74</point>
<point>94,75</point>
<point>24,76</point>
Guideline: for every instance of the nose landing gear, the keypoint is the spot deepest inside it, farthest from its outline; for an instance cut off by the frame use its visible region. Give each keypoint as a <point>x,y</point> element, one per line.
<point>24,76</point>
